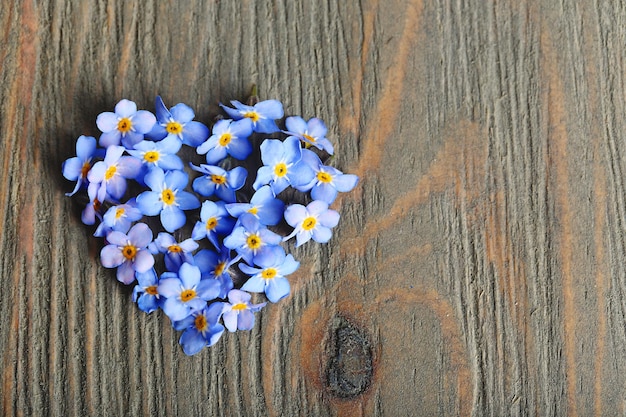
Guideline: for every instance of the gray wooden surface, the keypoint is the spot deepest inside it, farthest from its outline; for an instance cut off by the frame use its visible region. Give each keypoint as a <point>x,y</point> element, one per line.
<point>479,267</point>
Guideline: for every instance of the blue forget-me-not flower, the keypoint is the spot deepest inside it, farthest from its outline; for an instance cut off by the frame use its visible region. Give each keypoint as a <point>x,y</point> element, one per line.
<point>177,122</point>
<point>126,125</point>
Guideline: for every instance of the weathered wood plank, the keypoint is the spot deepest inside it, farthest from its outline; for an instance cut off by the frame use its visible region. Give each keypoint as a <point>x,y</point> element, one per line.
<point>478,267</point>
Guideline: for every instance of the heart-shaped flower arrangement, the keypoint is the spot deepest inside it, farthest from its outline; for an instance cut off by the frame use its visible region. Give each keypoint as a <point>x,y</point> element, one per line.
<point>236,246</point>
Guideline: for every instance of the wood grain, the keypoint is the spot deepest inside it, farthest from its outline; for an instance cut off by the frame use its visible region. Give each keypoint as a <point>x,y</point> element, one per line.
<point>478,268</point>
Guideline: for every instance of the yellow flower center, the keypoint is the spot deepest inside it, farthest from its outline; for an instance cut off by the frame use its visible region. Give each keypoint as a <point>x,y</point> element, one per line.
<point>324,177</point>
<point>124,125</point>
<point>280,170</point>
<point>252,115</point>
<point>269,273</point>
<point>119,212</point>
<point>174,128</point>
<point>110,172</point>
<point>253,210</point>
<point>201,323</point>
<point>225,139</point>
<point>85,170</point>
<point>309,223</point>
<point>309,138</point>
<point>151,156</point>
<point>211,223</point>
<point>187,295</point>
<point>167,196</point>
<point>254,241</point>
<point>129,252</point>
<point>174,249</point>
<point>239,306</point>
<point>218,179</point>
<point>152,290</point>
<point>219,269</point>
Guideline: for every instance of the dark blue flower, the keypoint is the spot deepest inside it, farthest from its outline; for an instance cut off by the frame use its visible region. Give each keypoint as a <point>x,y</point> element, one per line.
<point>263,114</point>
<point>215,265</point>
<point>126,125</point>
<point>214,222</point>
<point>167,198</point>
<point>229,138</point>
<point>146,293</point>
<point>175,253</point>
<point>201,329</point>
<point>219,182</point>
<point>178,122</point>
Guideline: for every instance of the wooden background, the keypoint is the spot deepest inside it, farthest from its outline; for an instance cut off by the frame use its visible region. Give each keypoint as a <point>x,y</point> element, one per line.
<point>479,267</point>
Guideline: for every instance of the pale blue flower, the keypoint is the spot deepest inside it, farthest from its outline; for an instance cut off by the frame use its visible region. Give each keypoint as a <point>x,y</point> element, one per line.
<point>167,198</point>
<point>238,313</point>
<point>282,166</point>
<point>77,168</point>
<point>160,154</point>
<point>313,221</point>
<point>312,132</point>
<point>128,253</point>
<point>270,278</point>
<point>109,176</point>
<point>263,205</point>
<point>185,292</point>
<point>253,241</point>
<point>126,125</point>
<point>121,217</point>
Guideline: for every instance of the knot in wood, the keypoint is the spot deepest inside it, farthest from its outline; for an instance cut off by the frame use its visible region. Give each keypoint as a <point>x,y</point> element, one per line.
<point>350,366</point>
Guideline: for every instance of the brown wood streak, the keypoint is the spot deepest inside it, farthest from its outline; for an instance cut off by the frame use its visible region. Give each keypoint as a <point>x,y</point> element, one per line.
<point>499,250</point>
<point>21,98</point>
<point>127,48</point>
<point>78,53</point>
<point>557,137</point>
<point>350,117</point>
<point>600,198</point>
<point>457,158</point>
<point>451,334</point>
<point>378,130</point>
<point>380,127</point>
<point>454,158</point>
<point>601,278</point>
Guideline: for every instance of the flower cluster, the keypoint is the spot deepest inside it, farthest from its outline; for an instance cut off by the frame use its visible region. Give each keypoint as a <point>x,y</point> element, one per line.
<point>142,195</point>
